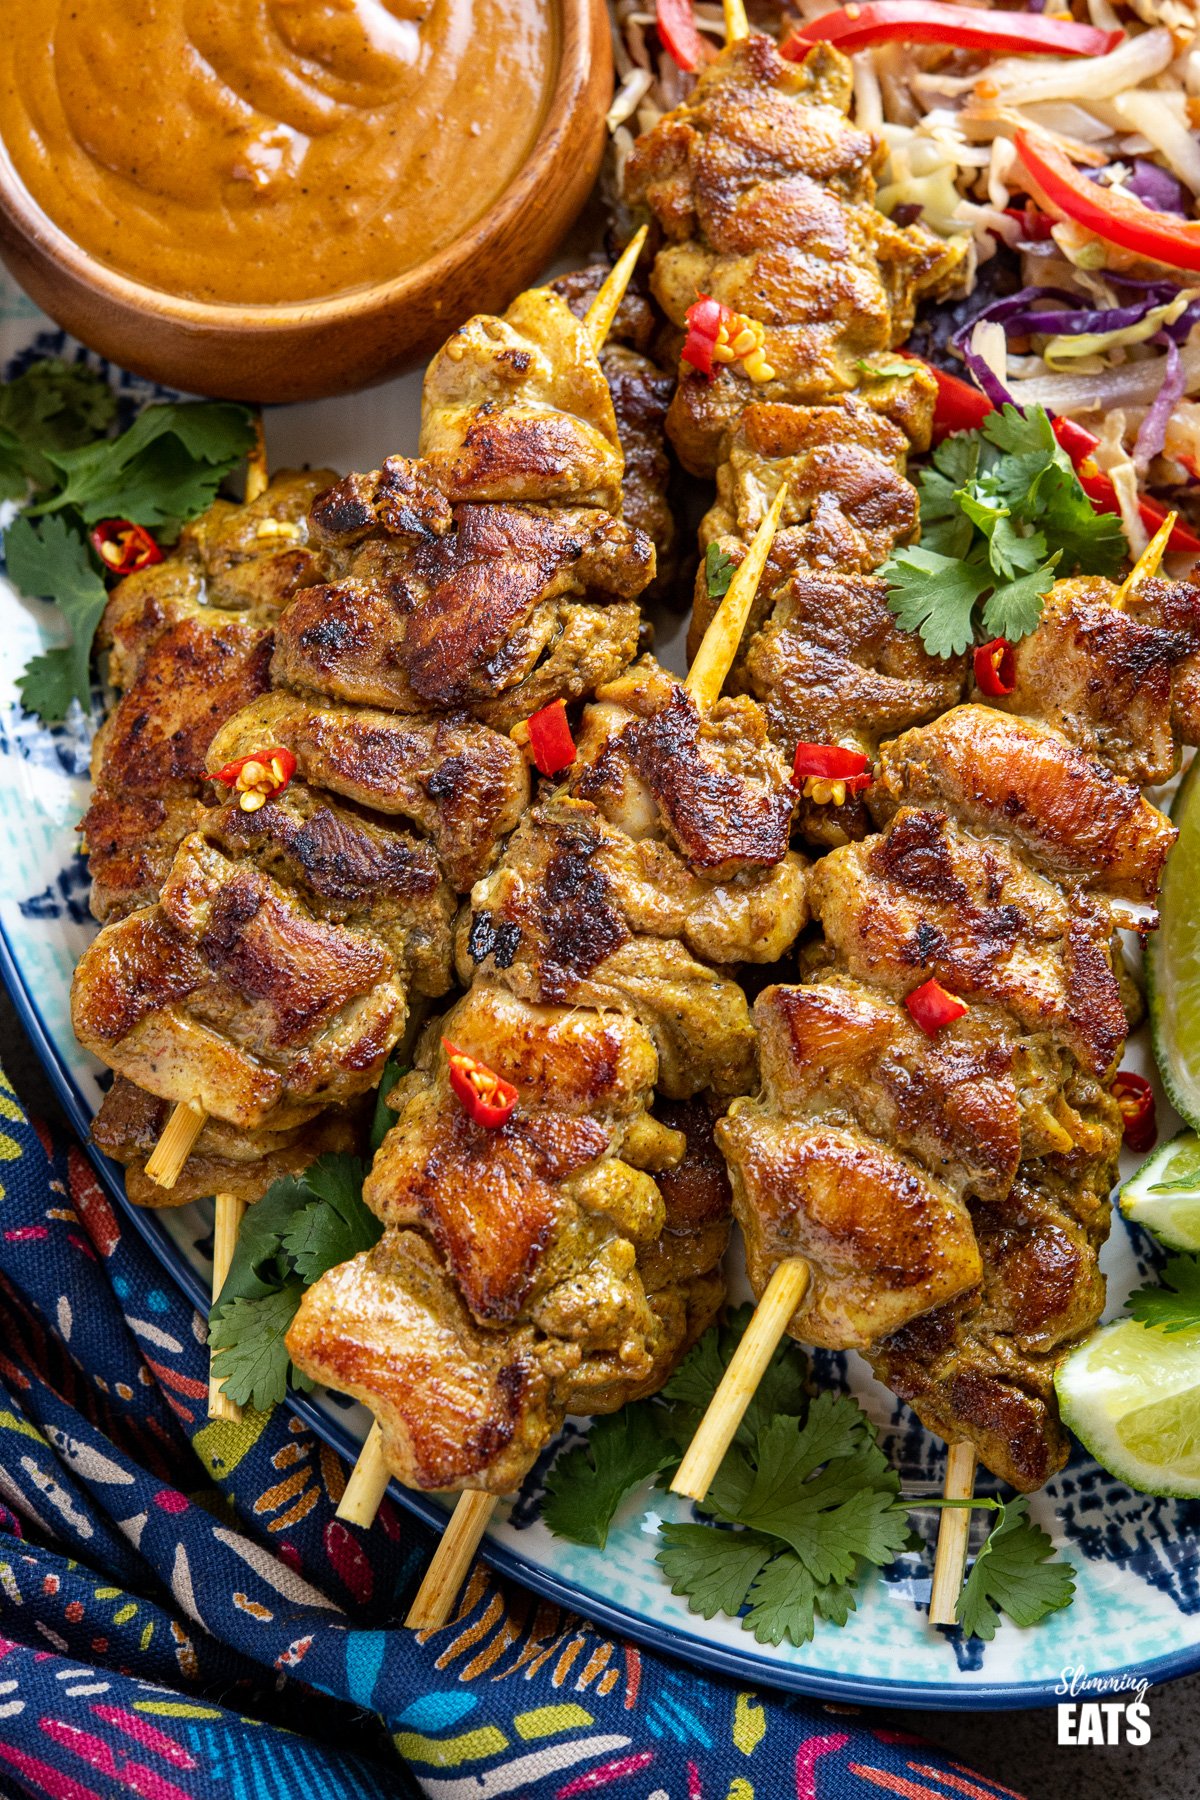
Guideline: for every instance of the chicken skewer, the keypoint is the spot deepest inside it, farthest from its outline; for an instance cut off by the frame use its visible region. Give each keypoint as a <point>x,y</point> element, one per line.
<point>474,1509</point>
<point>188,1119</point>
<point>954,1526</point>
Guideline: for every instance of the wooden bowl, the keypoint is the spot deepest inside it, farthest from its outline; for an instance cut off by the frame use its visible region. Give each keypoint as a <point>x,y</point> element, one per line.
<point>302,351</point>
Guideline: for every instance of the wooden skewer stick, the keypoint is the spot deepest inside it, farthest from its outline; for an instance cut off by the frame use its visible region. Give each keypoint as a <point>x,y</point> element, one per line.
<point>1146,566</point>
<point>598,320</point>
<point>737,25</point>
<point>367,1484</point>
<point>454,1556</point>
<point>706,1452</point>
<point>174,1147</point>
<point>714,659</point>
<point>257,477</point>
<point>226,1221</point>
<point>954,1529</point>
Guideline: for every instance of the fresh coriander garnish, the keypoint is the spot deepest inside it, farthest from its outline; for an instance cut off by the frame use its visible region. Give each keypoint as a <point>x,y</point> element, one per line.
<point>803,1506</point>
<point>1003,516</point>
<point>1015,1573</point>
<point>897,368</point>
<point>302,1226</point>
<point>167,467</point>
<point>384,1117</point>
<point>1175,1306</point>
<point>718,571</point>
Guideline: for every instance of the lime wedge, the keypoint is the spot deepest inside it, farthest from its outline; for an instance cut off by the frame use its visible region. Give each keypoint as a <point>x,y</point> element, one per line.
<point>1131,1394</point>
<point>1164,1194</point>
<point>1173,960</point>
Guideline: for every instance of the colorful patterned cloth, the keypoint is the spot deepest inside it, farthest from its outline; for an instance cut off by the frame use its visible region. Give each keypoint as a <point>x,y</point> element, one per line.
<point>182,1616</point>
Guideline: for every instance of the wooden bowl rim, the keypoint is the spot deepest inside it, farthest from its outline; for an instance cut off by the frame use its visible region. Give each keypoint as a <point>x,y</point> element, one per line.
<point>579,23</point>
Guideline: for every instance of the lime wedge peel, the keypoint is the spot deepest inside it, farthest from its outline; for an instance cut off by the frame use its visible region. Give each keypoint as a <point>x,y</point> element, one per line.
<point>1164,1193</point>
<point>1173,959</point>
<point>1131,1395</point>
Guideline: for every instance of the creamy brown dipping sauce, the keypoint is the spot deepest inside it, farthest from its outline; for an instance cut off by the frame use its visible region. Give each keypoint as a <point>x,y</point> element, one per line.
<point>270,150</point>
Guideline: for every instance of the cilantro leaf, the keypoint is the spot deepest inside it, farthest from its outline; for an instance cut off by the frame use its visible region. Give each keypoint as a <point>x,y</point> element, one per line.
<point>51,561</point>
<point>337,1225</point>
<point>248,1348</point>
<point>588,1483</point>
<point>714,1570</point>
<point>898,369</point>
<point>167,467</point>
<point>1093,542</point>
<point>51,405</point>
<point>1175,1306</point>
<point>1013,1573</point>
<point>1021,433</point>
<point>719,569</point>
<point>935,595</point>
<point>1013,608</point>
<point>785,1602</point>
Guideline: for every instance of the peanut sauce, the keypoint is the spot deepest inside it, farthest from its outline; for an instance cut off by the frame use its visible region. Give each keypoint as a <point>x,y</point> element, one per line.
<point>270,150</point>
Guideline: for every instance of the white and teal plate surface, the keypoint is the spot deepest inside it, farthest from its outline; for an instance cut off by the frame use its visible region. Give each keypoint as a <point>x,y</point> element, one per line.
<point>1137,1605</point>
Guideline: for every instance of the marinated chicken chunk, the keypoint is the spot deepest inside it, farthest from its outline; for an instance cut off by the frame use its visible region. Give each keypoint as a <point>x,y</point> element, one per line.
<point>512,607</point>
<point>1020,780</point>
<point>461,784</point>
<point>517,408</point>
<point>516,1293</point>
<point>765,194</point>
<point>189,643</point>
<point>225,1159</point>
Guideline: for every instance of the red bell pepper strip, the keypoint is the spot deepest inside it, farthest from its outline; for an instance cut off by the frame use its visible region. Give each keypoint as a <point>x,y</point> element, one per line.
<point>124,547</point>
<point>705,317</point>
<point>484,1096</point>
<point>933,1006</point>
<point>1135,1097</point>
<point>1107,212</point>
<point>995,668</point>
<point>677,29</point>
<point>550,738</point>
<point>258,777</point>
<point>831,762</point>
<point>1035,225</point>
<point>930,22</point>
<point>960,406</point>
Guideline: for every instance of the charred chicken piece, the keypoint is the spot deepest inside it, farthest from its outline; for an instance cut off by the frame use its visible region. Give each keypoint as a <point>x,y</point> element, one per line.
<point>189,643</point>
<point>509,608</point>
<point>508,1288</point>
<point>765,195</point>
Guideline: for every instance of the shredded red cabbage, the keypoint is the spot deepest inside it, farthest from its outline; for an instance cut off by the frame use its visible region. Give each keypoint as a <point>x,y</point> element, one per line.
<point>1156,187</point>
<point>1152,432</point>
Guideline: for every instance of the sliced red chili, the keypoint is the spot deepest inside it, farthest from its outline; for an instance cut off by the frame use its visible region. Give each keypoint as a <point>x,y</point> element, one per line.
<point>484,1096</point>
<point>930,22</point>
<point>1036,226</point>
<point>258,777</point>
<point>677,30</point>
<point>705,316</point>
<point>550,738</point>
<point>831,762</point>
<point>124,547</point>
<point>933,1006</point>
<point>995,668</point>
<point>1135,1097</point>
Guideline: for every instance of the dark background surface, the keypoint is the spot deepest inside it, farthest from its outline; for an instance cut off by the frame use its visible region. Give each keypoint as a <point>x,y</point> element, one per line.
<point>1019,1749</point>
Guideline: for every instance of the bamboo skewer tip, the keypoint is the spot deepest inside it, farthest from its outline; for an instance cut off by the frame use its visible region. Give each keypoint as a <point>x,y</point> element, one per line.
<point>737,25</point>
<point>454,1555</point>
<point>600,314</point>
<point>179,1134</point>
<point>719,645</point>
<point>727,1408</point>
<point>954,1528</point>
<point>367,1484</point>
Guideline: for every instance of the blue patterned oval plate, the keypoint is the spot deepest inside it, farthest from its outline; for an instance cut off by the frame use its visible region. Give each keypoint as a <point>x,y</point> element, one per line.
<point>1137,1605</point>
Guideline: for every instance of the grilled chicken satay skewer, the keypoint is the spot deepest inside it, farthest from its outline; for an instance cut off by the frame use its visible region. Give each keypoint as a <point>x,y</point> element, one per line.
<point>954,1525</point>
<point>370,1477</point>
<point>189,1118</point>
